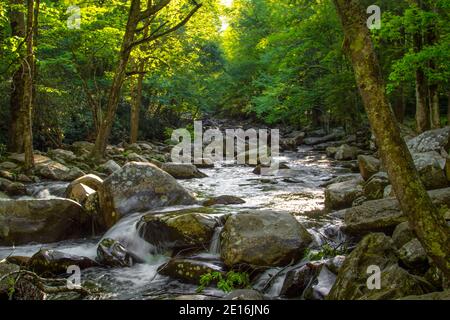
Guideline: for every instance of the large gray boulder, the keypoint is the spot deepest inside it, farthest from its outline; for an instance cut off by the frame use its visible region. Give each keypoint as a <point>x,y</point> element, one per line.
<point>41,220</point>
<point>263,238</point>
<point>433,140</point>
<point>383,215</point>
<point>431,168</point>
<point>374,187</point>
<point>346,152</point>
<point>368,166</point>
<point>377,250</point>
<point>342,194</point>
<point>139,187</point>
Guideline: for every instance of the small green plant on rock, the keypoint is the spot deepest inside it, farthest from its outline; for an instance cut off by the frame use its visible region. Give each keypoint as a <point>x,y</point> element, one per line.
<point>327,251</point>
<point>232,280</point>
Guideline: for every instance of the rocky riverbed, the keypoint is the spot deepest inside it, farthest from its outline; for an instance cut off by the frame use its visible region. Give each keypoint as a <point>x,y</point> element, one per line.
<point>140,227</point>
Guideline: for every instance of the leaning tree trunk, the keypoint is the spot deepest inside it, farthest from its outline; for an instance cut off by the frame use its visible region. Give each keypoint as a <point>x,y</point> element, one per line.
<point>428,224</point>
<point>119,77</point>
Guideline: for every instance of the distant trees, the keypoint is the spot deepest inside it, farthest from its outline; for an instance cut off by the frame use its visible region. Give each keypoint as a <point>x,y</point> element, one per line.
<point>429,225</point>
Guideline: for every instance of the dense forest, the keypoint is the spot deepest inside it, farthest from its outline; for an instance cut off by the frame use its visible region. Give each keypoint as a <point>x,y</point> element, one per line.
<point>93,93</point>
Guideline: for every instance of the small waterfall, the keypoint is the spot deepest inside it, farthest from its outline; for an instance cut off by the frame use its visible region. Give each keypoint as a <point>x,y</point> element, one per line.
<point>214,247</point>
<point>46,190</point>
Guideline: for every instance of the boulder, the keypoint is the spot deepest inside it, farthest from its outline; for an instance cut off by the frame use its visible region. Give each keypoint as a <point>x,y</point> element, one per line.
<point>432,140</point>
<point>185,229</point>
<point>56,171</point>
<point>224,200</point>
<point>82,147</point>
<point>299,279</point>
<point>244,294</point>
<point>109,167</point>
<point>345,152</point>
<point>374,188</point>
<point>81,188</point>
<point>79,193</point>
<point>7,165</point>
<point>368,166</point>
<point>311,141</point>
<point>292,141</point>
<point>12,188</point>
<point>139,187</point>
<point>377,250</point>
<point>112,253</point>
<point>263,238</point>
<point>331,152</point>
<point>402,234</point>
<point>442,295</point>
<point>341,195</point>
<point>431,168</point>
<point>90,180</point>
<point>413,256</point>
<point>52,263</point>
<point>23,289</point>
<point>41,220</point>
<point>322,284</point>
<point>60,154</point>
<point>190,270</point>
<point>388,192</point>
<point>384,215</point>
<point>135,157</point>
<point>182,170</point>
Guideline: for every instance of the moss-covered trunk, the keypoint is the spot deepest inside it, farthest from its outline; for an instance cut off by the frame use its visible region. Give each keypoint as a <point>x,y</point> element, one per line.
<point>428,224</point>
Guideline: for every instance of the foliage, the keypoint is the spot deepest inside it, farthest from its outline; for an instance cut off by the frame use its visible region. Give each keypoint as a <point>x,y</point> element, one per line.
<point>326,251</point>
<point>232,280</point>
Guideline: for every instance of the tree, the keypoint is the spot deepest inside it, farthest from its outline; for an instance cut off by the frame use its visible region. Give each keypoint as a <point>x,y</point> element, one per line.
<point>428,224</point>
<point>135,17</point>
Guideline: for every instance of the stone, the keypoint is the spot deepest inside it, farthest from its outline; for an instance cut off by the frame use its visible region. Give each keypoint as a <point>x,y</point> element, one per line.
<point>64,155</point>
<point>185,229</point>
<point>299,279</point>
<point>7,165</point>
<point>388,192</point>
<point>375,249</point>
<point>52,263</point>
<point>79,193</point>
<point>368,166</point>
<point>432,140</point>
<point>23,289</point>
<point>12,188</point>
<point>442,295</point>
<point>135,157</point>
<point>342,194</point>
<point>413,256</point>
<point>331,152</point>
<point>402,234</point>
<point>430,166</point>
<point>182,170</point>
<point>56,171</point>
<point>82,147</point>
<point>139,187</point>
<point>223,200</point>
<point>109,167</point>
<point>244,294</point>
<point>374,188</point>
<point>112,253</point>
<point>41,220</point>
<point>345,152</point>
<point>90,180</point>
<point>190,270</point>
<point>263,238</point>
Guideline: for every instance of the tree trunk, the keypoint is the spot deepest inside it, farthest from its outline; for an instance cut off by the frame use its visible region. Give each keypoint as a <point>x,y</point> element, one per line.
<point>434,107</point>
<point>28,90</point>
<point>428,224</point>
<point>448,108</point>
<point>16,125</point>
<point>400,105</point>
<point>136,105</point>
<point>119,77</point>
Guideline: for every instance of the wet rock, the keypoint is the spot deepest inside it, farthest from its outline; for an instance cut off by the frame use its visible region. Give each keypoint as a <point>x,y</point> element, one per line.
<point>368,166</point>
<point>263,238</point>
<point>4,196</point>
<point>374,188</point>
<point>430,166</point>
<point>224,200</point>
<point>139,187</point>
<point>178,229</point>
<point>413,256</point>
<point>112,253</point>
<point>345,152</point>
<point>334,264</point>
<point>109,167</point>
<point>292,141</point>
<point>432,140</point>
<point>341,195</point>
<point>322,285</point>
<point>402,234</point>
<point>19,260</point>
<point>23,289</point>
<point>90,180</point>
<point>190,270</point>
<point>52,263</point>
<point>80,193</point>
<point>384,215</point>
<point>378,250</point>
<point>182,170</point>
<point>244,294</point>
<point>299,279</point>
<point>41,220</point>
<point>12,188</point>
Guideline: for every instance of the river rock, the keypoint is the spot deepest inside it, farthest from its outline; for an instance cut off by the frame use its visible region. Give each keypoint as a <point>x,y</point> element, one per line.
<point>90,180</point>
<point>442,295</point>
<point>109,167</point>
<point>41,220</point>
<point>292,141</point>
<point>190,270</point>
<point>112,253</point>
<point>263,238</point>
<point>79,193</point>
<point>388,192</point>
<point>374,188</point>
<point>139,187</point>
<point>345,152</point>
<point>331,151</point>
<point>182,170</point>
<point>431,166</point>
<point>23,289</point>
<point>299,279</point>
<point>322,284</point>
<point>56,171</point>
<point>384,215</point>
<point>377,250</point>
<point>12,188</point>
<point>413,256</point>
<point>82,147</point>
<point>52,263</point>
<point>244,294</point>
<point>178,229</point>
<point>402,234</point>
<point>432,140</point>
<point>60,154</point>
<point>135,157</point>
<point>311,141</point>
<point>7,165</point>
<point>341,195</point>
<point>368,166</point>
<point>224,200</point>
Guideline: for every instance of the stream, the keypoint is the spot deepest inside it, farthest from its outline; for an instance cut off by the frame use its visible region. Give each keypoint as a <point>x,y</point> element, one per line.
<point>298,191</point>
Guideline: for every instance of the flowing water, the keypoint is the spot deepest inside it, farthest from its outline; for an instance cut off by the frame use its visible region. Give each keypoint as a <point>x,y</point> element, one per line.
<point>297,191</point>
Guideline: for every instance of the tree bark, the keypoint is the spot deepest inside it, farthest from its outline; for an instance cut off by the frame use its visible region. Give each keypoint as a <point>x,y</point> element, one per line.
<point>400,105</point>
<point>422,108</point>
<point>136,105</point>
<point>434,107</point>
<point>428,224</point>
